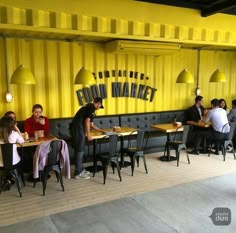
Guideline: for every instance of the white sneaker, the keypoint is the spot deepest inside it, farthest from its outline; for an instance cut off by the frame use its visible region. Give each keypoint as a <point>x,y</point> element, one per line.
<point>86,172</point>
<point>82,175</point>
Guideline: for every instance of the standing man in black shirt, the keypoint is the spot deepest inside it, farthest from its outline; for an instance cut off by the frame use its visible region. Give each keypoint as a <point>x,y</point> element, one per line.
<point>79,129</point>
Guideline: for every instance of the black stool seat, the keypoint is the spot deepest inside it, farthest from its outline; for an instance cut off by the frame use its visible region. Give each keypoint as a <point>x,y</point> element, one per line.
<point>53,164</point>
<point>10,170</point>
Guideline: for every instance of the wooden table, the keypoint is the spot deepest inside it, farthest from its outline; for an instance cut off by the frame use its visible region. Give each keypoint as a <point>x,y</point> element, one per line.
<point>168,129</point>
<point>29,149</point>
<point>33,142</point>
<point>199,124</point>
<point>124,131</point>
<point>204,126</point>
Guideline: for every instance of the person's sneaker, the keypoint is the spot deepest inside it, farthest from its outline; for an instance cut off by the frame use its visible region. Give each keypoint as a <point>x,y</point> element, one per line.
<point>82,175</point>
<point>230,149</point>
<point>87,172</point>
<point>217,152</point>
<point>194,152</point>
<point>7,185</point>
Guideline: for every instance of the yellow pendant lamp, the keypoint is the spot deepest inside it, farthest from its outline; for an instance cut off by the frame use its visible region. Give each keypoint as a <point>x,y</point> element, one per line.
<point>185,77</point>
<point>218,77</point>
<point>84,77</point>
<point>22,75</point>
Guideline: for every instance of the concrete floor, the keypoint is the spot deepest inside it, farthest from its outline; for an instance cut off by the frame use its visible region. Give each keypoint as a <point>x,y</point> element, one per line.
<point>183,208</point>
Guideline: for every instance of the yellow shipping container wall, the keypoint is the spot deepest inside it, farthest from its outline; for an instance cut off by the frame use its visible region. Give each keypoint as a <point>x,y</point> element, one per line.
<point>56,63</point>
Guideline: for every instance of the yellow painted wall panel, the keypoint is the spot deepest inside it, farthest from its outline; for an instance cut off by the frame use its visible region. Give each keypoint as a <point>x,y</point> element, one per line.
<point>130,10</point>
<point>210,61</point>
<point>65,85</point>
<point>21,15</point>
<point>32,17</point>
<point>8,14</point>
<point>139,28</point>
<point>55,65</point>
<point>44,18</point>
<point>194,34</point>
<point>104,25</point>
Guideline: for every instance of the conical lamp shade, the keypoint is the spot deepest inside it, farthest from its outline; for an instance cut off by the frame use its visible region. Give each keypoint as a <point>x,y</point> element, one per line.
<point>185,77</point>
<point>218,77</point>
<point>22,75</point>
<point>84,77</point>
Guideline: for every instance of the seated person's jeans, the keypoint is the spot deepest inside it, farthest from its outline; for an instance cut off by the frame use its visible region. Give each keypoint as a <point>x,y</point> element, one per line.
<point>211,135</point>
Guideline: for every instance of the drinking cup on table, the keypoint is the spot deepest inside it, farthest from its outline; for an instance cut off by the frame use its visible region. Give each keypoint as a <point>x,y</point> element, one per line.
<point>41,133</point>
<point>26,136</point>
<point>116,129</point>
<point>36,136</point>
<point>177,123</point>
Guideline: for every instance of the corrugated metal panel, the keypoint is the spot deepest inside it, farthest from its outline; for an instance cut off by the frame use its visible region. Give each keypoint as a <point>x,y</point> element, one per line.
<point>210,61</point>
<point>55,65</point>
<point>169,26</point>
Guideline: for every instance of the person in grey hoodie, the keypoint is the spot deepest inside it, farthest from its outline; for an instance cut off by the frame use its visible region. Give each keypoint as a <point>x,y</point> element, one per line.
<point>232,118</point>
<point>232,113</point>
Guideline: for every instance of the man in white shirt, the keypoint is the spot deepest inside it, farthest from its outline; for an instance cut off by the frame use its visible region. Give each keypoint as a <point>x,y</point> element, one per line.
<point>220,129</point>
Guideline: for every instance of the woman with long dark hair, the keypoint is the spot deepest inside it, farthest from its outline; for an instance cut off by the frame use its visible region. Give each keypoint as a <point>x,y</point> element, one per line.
<point>8,134</point>
<point>222,104</point>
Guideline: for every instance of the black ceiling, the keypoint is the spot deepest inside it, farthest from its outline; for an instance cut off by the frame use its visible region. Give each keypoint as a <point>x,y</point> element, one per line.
<point>206,7</point>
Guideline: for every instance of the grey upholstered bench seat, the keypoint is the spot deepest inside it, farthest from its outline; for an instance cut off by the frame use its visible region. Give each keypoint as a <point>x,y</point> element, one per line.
<point>156,139</point>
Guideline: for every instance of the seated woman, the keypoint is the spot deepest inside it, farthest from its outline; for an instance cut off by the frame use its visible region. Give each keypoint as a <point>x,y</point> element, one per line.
<point>223,104</point>
<point>37,121</point>
<point>13,116</point>
<point>10,114</point>
<point>8,134</point>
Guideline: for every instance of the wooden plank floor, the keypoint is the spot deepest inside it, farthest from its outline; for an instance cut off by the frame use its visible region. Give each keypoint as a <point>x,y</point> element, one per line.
<point>80,193</point>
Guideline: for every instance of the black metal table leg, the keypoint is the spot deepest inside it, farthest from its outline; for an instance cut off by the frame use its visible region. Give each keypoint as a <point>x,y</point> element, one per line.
<point>168,157</point>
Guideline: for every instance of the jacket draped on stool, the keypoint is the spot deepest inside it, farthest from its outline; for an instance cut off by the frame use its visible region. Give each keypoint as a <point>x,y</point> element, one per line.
<point>41,156</point>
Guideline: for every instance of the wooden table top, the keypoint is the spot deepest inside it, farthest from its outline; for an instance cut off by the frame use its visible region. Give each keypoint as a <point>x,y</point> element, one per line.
<point>124,131</point>
<point>168,128</point>
<point>33,142</point>
<point>199,124</point>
